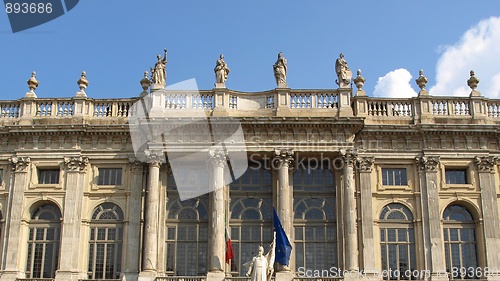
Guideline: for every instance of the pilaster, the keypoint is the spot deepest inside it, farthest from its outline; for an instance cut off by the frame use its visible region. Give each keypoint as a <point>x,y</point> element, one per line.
<point>431,220</point>
<point>364,167</point>
<point>489,206</point>
<point>13,267</point>
<point>72,218</point>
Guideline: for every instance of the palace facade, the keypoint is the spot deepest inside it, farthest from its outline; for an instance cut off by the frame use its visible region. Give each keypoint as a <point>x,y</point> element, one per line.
<point>390,188</point>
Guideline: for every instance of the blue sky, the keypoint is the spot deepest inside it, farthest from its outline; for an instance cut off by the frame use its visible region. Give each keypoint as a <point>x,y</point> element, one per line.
<point>115,41</point>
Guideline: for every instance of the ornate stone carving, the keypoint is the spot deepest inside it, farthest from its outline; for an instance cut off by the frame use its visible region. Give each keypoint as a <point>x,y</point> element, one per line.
<point>421,80</point>
<point>349,157</point>
<point>32,82</point>
<point>365,164</point>
<point>159,73</point>
<point>280,70</point>
<point>283,157</point>
<point>427,163</point>
<point>154,157</point>
<point>359,80</point>
<point>136,165</point>
<point>217,158</point>
<point>344,74</point>
<point>473,81</point>
<point>76,164</point>
<point>19,164</point>
<point>221,70</point>
<point>83,82</point>
<point>486,163</point>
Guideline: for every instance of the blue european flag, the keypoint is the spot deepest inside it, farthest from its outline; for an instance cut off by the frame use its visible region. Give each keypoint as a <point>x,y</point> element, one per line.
<point>283,246</point>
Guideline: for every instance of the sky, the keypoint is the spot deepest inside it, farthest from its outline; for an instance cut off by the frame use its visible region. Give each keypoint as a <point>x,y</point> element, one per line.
<point>115,41</point>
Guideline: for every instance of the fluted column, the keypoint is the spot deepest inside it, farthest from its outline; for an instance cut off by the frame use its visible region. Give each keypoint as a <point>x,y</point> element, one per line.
<point>71,225</point>
<point>364,168</point>
<point>150,252</point>
<point>12,266</point>
<point>350,228</point>
<point>431,218</point>
<point>284,205</point>
<point>134,218</point>
<point>217,244</point>
<point>489,205</point>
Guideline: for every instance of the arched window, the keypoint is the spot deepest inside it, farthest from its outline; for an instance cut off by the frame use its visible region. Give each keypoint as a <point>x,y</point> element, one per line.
<point>105,244</point>
<point>251,215</point>
<point>459,241</point>
<point>397,241</point>
<point>187,237</point>
<point>314,217</point>
<point>43,242</point>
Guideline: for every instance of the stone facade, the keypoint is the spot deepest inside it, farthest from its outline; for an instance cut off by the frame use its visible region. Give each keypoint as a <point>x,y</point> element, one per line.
<point>360,184</point>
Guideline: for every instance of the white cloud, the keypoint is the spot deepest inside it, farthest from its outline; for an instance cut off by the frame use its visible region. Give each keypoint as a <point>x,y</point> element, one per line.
<point>395,84</point>
<point>478,50</point>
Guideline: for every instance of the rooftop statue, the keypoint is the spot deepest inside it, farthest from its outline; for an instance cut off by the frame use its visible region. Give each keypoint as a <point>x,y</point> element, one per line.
<point>159,74</point>
<point>261,266</point>
<point>344,74</point>
<point>280,70</point>
<point>221,70</point>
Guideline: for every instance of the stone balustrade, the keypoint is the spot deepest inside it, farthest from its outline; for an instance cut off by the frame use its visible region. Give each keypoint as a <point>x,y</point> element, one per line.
<point>277,102</point>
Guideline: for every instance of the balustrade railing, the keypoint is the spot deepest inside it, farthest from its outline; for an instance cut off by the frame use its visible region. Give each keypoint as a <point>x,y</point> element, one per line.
<point>35,279</point>
<point>181,278</point>
<point>493,108</point>
<point>390,107</point>
<point>10,109</point>
<point>451,106</point>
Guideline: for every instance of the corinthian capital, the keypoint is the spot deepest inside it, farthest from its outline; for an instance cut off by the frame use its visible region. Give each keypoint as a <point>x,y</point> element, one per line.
<point>283,157</point>
<point>19,164</point>
<point>217,157</point>
<point>365,164</point>
<point>486,163</point>
<point>349,157</point>
<point>136,165</point>
<point>427,163</point>
<point>76,164</point>
<point>154,157</point>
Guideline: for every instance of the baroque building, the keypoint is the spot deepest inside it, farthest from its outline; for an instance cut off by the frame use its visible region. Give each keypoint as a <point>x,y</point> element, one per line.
<point>384,188</point>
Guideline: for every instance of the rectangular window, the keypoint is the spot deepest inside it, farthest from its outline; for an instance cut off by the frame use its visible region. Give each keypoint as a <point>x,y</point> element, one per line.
<point>394,176</point>
<point>48,176</point>
<point>456,176</point>
<point>110,176</point>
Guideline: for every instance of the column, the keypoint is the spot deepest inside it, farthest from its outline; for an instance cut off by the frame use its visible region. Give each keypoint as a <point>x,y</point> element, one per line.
<point>431,218</point>
<point>12,266</point>
<point>350,228</point>
<point>131,267</point>
<point>150,247</point>
<point>364,165</point>
<point>72,220</point>
<point>489,207</point>
<point>216,224</point>
<point>284,204</point>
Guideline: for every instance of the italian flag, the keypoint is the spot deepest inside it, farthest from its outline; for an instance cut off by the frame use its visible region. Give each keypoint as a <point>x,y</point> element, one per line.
<point>229,248</point>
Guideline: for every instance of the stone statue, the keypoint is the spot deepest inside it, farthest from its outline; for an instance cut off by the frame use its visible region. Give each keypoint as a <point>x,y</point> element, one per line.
<point>221,70</point>
<point>343,72</point>
<point>259,267</point>
<point>159,74</point>
<point>280,70</point>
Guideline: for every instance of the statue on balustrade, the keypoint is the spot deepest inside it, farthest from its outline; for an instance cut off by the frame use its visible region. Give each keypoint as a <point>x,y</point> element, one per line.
<point>159,73</point>
<point>344,74</point>
<point>259,267</point>
<point>280,70</point>
<point>221,70</point>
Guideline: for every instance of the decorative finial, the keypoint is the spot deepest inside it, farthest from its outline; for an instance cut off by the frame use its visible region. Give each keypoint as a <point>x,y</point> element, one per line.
<point>83,82</point>
<point>32,82</point>
<point>421,80</point>
<point>145,82</point>
<point>359,80</point>
<point>473,81</point>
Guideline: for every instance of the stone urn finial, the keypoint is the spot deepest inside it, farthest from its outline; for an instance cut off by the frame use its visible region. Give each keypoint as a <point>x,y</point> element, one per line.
<point>32,82</point>
<point>145,82</point>
<point>83,82</point>
<point>359,80</point>
<point>421,80</point>
<point>473,81</point>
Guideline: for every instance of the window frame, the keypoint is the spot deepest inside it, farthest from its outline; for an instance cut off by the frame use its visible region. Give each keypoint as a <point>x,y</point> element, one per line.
<point>41,166</point>
<point>409,176</point>
<point>394,176</point>
<point>98,169</point>
<point>470,174</point>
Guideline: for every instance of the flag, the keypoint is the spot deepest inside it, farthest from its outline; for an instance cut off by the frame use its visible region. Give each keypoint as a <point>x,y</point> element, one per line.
<point>283,248</point>
<point>229,248</point>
